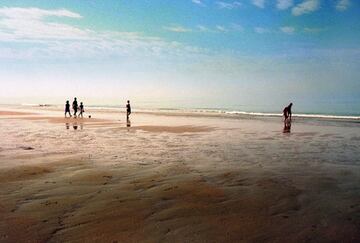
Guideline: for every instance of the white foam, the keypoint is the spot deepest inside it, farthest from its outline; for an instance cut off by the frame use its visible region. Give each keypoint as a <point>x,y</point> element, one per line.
<point>323,116</point>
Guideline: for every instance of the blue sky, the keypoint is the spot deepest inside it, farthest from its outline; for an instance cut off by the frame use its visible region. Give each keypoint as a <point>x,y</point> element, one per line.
<point>255,54</point>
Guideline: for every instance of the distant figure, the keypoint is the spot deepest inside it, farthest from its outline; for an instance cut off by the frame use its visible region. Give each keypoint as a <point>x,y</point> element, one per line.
<point>128,110</point>
<point>81,109</point>
<point>287,118</point>
<point>75,106</point>
<point>287,112</point>
<point>67,108</point>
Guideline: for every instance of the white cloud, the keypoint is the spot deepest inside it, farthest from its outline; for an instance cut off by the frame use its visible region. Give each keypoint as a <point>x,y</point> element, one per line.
<point>284,4</point>
<point>237,27</point>
<point>177,28</point>
<point>198,2</point>
<point>36,13</point>
<point>342,5</point>
<point>261,30</point>
<point>221,28</point>
<point>258,3</point>
<point>27,23</point>
<point>228,5</point>
<point>307,6</point>
<point>33,35</point>
<point>314,30</point>
<point>287,29</point>
<point>203,28</point>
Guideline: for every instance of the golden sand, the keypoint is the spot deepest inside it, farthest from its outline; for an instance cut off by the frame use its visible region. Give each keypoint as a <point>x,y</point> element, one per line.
<point>14,113</point>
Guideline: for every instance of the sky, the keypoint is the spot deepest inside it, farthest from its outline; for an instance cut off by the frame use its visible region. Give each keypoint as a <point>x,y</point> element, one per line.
<point>246,54</point>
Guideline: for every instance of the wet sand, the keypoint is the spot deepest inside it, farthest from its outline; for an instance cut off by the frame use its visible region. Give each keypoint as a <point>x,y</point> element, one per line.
<point>15,113</point>
<point>177,179</point>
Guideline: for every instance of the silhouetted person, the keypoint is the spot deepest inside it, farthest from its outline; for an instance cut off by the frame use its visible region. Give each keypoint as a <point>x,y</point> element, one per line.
<point>75,106</point>
<point>287,118</point>
<point>128,122</point>
<point>67,108</point>
<point>287,112</point>
<point>81,109</point>
<point>128,110</point>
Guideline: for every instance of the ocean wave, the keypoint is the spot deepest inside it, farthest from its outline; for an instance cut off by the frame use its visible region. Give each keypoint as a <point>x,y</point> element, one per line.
<point>212,111</point>
<point>320,116</point>
<point>36,105</point>
<point>254,113</point>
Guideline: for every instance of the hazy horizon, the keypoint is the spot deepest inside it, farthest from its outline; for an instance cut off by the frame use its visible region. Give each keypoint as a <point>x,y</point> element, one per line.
<point>255,54</point>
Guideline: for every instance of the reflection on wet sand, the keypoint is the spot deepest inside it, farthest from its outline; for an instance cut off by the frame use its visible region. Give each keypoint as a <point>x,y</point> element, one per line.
<point>74,125</point>
<point>287,125</point>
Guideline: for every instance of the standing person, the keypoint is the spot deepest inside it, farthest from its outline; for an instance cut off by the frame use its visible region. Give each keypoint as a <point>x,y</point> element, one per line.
<point>287,118</point>
<point>75,106</point>
<point>67,108</point>
<point>81,107</point>
<point>128,109</point>
<point>287,112</point>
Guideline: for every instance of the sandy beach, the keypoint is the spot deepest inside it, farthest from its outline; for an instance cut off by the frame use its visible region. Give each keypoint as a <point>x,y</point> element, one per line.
<point>176,178</point>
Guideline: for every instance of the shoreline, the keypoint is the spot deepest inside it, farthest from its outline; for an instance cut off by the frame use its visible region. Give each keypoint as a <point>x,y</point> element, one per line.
<point>220,113</point>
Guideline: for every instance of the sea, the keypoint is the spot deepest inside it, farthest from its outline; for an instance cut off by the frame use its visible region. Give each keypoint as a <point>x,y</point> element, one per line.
<point>339,113</point>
